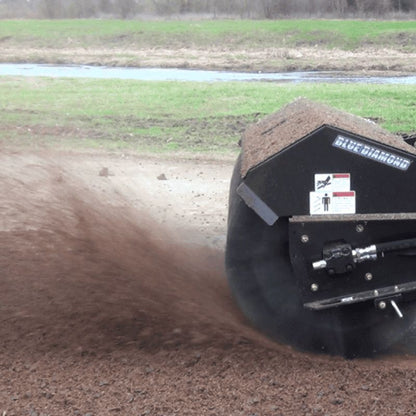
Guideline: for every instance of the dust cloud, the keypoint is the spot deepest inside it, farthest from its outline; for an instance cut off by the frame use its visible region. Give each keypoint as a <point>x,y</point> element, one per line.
<point>84,269</point>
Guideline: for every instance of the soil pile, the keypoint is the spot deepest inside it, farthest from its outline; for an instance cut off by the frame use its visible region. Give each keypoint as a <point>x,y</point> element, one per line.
<point>103,312</point>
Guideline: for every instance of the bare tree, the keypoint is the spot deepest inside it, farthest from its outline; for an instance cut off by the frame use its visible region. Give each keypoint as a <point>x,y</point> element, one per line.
<point>405,6</point>
<point>273,8</point>
<point>126,8</point>
<point>374,7</point>
<point>184,6</point>
<point>51,9</point>
<point>338,6</point>
<point>106,6</point>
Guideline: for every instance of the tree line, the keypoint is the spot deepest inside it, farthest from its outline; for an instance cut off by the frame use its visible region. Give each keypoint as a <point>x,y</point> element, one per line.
<point>254,9</point>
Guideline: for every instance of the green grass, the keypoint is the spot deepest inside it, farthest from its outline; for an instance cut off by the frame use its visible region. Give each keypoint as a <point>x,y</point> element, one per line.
<point>345,34</point>
<point>167,116</point>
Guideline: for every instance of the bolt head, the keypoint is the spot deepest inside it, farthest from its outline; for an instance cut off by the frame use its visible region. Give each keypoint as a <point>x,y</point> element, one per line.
<point>314,287</point>
<point>359,228</point>
<point>304,238</point>
<point>368,277</point>
<point>382,305</point>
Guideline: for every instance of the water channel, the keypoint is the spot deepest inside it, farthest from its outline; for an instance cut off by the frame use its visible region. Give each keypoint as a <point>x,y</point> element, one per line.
<point>169,74</point>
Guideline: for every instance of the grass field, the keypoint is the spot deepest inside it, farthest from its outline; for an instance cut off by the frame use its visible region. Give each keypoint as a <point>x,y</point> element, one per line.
<point>244,45</point>
<point>193,117</point>
<point>172,116</point>
<point>345,34</point>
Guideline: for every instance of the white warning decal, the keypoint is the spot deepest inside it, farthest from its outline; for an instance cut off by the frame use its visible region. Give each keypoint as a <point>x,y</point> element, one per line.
<point>332,194</point>
<point>340,202</point>
<point>332,181</point>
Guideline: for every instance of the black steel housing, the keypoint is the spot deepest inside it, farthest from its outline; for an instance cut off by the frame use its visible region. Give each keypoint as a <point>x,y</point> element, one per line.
<point>384,181</point>
<point>283,182</point>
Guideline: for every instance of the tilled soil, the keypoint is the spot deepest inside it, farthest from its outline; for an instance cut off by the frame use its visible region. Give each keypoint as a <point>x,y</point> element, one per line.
<point>113,301</point>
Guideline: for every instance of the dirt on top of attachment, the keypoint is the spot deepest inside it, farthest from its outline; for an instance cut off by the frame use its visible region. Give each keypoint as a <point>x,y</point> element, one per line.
<point>299,118</point>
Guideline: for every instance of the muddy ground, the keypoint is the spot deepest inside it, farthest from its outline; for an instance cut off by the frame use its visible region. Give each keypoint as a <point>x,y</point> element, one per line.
<point>113,301</point>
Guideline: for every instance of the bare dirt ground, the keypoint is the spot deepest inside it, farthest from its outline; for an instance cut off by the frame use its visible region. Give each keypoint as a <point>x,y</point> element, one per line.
<point>368,59</point>
<point>113,301</point>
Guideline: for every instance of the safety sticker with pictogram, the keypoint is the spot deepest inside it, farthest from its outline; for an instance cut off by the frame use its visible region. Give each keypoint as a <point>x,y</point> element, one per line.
<point>332,182</point>
<point>332,194</point>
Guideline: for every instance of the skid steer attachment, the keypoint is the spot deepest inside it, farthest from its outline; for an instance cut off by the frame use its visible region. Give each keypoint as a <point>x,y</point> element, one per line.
<point>321,244</point>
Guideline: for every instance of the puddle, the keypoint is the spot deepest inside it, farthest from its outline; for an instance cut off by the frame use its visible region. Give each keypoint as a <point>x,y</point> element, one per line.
<point>169,74</point>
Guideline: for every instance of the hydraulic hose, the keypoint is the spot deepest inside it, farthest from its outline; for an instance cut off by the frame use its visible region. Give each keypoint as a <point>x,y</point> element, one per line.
<point>360,255</point>
<point>396,245</point>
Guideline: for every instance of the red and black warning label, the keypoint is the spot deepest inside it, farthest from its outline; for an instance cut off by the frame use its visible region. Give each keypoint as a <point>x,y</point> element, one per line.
<point>332,194</point>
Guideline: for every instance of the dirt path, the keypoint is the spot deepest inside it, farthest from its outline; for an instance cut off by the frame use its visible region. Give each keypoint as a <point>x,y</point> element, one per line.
<point>113,301</point>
